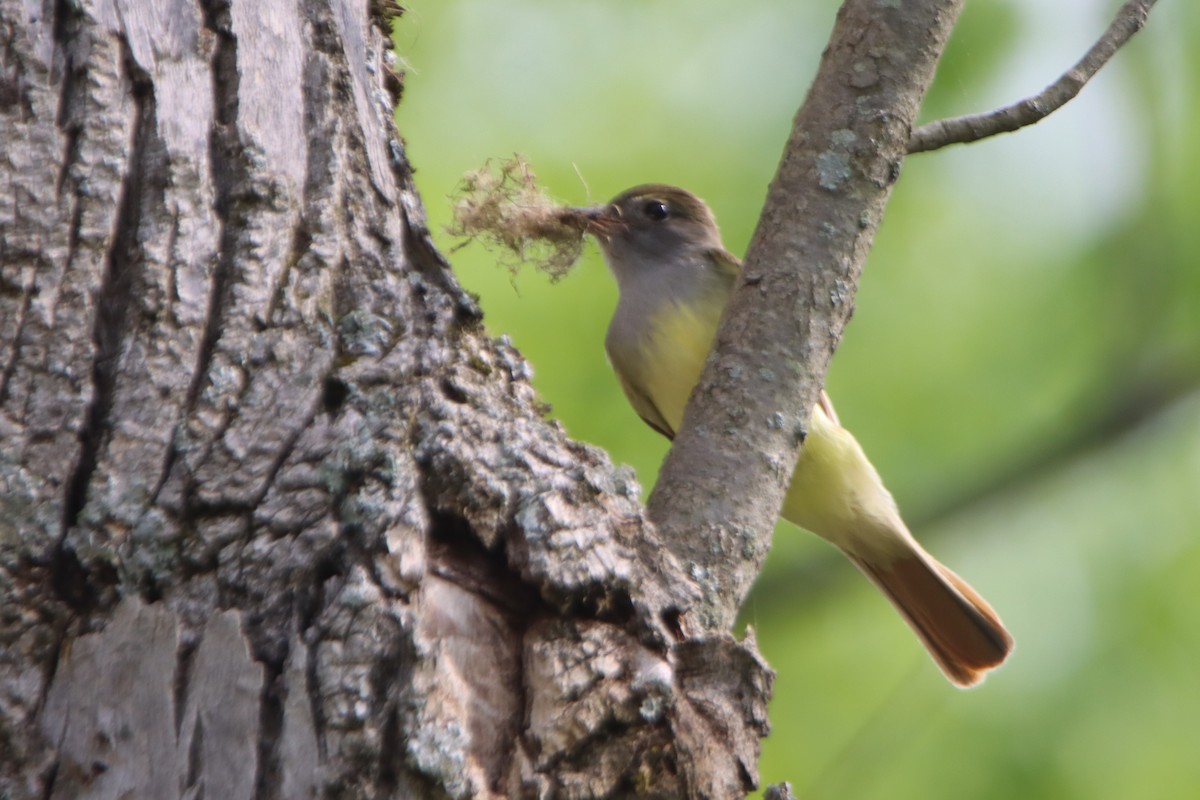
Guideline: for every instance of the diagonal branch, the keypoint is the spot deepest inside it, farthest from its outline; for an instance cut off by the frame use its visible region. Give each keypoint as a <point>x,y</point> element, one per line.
<point>723,482</point>
<point>973,127</point>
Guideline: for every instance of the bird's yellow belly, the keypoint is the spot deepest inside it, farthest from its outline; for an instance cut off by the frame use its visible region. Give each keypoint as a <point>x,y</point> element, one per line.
<point>678,346</point>
<point>835,492</point>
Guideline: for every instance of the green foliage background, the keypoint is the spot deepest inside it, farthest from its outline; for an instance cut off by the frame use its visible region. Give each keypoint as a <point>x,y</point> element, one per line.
<point>1023,365</point>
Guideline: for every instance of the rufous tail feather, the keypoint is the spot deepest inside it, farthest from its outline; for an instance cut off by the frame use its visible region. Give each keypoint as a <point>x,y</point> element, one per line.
<point>963,634</point>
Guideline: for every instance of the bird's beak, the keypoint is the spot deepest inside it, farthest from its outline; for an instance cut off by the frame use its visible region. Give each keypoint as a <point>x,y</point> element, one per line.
<point>601,221</point>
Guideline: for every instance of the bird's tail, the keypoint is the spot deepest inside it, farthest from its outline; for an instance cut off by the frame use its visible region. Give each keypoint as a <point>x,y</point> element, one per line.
<point>963,634</point>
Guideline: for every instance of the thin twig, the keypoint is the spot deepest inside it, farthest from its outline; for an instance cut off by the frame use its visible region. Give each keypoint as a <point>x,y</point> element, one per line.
<point>971,128</point>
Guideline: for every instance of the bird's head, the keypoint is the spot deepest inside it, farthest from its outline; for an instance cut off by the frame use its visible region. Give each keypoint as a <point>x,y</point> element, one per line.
<point>650,225</point>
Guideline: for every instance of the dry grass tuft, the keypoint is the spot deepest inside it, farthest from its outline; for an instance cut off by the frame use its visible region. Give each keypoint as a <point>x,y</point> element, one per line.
<point>506,209</point>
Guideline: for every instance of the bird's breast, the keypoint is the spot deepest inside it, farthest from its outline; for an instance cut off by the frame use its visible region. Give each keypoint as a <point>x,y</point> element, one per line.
<point>660,352</point>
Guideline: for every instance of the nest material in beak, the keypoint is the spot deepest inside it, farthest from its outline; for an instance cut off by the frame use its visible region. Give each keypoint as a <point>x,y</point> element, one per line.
<point>602,221</point>
<point>504,207</point>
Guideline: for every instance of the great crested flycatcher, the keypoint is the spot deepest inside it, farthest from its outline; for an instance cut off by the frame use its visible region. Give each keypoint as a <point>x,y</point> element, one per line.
<point>674,277</point>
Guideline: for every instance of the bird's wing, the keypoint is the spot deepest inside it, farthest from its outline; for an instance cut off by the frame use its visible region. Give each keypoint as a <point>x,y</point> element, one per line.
<point>645,408</point>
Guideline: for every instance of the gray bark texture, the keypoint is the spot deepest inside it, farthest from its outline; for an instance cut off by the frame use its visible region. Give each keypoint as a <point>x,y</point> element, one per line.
<point>277,518</point>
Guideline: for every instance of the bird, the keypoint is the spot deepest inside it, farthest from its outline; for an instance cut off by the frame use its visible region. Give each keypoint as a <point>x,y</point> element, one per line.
<point>674,276</point>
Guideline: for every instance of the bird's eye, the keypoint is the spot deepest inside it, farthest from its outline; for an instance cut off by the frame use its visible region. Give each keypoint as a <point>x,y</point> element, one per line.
<point>655,210</point>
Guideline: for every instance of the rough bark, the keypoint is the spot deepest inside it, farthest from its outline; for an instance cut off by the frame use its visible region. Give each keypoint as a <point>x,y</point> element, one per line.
<point>723,482</point>
<point>277,518</point>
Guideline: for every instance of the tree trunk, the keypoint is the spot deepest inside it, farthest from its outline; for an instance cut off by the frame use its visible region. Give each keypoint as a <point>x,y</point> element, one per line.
<point>277,518</point>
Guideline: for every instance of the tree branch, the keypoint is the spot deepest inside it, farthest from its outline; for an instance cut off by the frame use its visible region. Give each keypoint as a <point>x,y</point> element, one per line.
<point>973,127</point>
<point>723,481</point>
